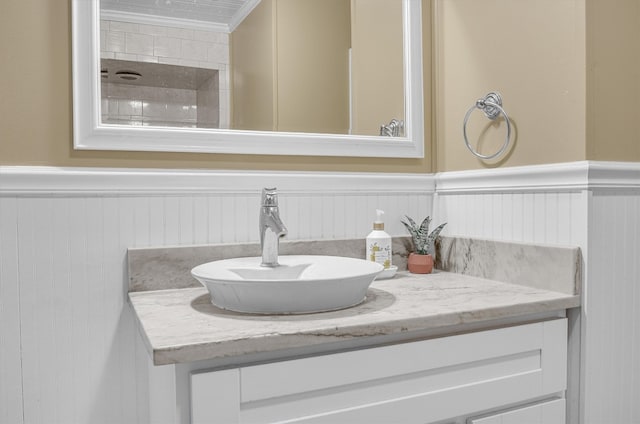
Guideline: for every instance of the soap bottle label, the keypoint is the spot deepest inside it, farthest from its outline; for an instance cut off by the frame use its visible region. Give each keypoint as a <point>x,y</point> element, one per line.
<point>379,253</point>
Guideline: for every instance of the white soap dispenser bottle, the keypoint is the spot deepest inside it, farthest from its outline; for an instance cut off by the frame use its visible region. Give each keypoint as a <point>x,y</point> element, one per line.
<point>379,243</point>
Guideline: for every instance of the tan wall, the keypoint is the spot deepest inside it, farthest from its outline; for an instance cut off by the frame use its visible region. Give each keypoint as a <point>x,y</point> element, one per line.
<point>252,69</point>
<point>290,67</point>
<point>313,40</point>
<point>377,58</point>
<point>613,80</point>
<point>36,107</point>
<point>533,53</point>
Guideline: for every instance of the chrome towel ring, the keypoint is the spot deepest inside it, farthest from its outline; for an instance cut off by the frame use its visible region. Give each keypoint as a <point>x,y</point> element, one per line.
<point>491,105</point>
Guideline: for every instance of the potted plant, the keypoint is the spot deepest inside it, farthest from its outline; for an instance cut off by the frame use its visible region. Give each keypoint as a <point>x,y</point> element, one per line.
<point>421,261</point>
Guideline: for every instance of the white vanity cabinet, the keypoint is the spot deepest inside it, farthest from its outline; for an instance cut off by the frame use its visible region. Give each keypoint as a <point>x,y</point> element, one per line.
<point>469,375</point>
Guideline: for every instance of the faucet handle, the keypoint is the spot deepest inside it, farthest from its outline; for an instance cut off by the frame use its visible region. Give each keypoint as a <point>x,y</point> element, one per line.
<point>269,197</point>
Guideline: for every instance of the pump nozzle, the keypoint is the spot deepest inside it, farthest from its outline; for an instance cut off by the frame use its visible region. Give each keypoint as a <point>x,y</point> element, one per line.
<point>378,224</point>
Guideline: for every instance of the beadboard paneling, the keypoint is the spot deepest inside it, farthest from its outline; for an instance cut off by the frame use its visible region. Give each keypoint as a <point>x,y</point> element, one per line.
<point>10,339</point>
<point>68,342</point>
<point>612,312</point>
<point>546,217</point>
<point>69,350</point>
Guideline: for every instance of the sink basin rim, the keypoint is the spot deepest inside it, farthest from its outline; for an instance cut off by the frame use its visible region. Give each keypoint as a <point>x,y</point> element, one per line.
<point>309,273</point>
<point>339,289</point>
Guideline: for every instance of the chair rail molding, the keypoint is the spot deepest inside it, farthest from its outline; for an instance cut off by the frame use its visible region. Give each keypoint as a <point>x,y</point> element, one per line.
<point>570,176</point>
<point>29,181</point>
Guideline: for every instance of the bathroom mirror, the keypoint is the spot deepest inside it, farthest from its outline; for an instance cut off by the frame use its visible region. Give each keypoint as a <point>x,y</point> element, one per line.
<point>95,130</point>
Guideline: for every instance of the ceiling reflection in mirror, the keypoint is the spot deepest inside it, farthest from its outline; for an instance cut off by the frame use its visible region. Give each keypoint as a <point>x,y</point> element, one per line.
<point>310,66</point>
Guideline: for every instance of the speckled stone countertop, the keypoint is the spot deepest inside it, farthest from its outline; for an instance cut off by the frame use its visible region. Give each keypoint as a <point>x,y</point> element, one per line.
<point>181,325</point>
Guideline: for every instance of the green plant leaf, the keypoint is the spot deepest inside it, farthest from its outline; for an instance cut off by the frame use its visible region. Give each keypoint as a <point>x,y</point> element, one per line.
<point>424,227</point>
<point>411,226</point>
<point>435,233</point>
<point>411,222</point>
<point>422,240</point>
<point>423,234</point>
<point>411,229</point>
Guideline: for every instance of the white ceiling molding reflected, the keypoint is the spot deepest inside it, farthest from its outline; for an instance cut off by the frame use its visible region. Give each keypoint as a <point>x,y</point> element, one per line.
<point>190,18</point>
<point>242,13</point>
<point>144,19</point>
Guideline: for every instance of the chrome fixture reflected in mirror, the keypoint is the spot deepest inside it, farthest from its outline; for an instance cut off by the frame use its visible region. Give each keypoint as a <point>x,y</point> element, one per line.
<point>218,110</point>
<point>395,128</point>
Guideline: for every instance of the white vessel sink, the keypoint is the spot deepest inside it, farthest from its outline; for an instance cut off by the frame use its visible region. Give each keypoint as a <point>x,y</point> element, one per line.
<point>301,284</point>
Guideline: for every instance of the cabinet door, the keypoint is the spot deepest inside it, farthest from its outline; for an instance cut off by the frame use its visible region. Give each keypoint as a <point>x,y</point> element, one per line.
<point>551,412</point>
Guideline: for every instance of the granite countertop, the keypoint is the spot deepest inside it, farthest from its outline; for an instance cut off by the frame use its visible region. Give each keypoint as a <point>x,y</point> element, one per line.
<point>181,325</point>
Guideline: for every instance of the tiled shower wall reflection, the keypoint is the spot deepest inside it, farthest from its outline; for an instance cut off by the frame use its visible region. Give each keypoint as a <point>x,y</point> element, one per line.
<point>141,105</point>
<point>166,45</point>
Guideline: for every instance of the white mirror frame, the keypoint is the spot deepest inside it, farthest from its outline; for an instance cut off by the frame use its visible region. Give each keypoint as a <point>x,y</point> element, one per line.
<point>91,134</point>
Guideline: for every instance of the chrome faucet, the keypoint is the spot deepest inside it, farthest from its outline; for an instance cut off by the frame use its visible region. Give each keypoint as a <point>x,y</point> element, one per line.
<point>271,227</point>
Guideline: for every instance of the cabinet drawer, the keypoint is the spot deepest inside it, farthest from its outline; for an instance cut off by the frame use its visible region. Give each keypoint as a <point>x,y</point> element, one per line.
<point>421,381</point>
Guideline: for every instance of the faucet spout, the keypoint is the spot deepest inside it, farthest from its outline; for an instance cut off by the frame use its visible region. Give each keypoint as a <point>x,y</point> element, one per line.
<point>271,227</point>
<point>274,224</point>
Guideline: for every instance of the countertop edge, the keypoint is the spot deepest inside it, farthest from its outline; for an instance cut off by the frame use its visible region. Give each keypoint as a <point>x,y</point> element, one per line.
<point>166,355</point>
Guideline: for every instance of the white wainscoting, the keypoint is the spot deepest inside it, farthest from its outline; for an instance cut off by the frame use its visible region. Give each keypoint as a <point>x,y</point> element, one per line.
<point>593,205</point>
<point>67,337</point>
<point>545,217</point>
<point>612,312</point>
<point>543,204</point>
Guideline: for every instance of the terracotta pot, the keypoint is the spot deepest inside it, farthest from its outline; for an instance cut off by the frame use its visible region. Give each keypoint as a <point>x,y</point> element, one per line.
<point>420,264</point>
